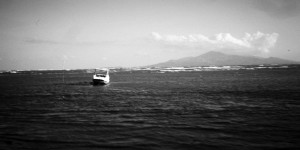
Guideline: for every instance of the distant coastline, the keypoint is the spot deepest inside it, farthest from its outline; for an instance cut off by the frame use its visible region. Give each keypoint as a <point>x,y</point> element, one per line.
<point>214,58</point>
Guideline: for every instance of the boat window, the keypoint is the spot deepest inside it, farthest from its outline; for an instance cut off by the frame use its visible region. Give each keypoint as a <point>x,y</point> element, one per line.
<point>100,75</point>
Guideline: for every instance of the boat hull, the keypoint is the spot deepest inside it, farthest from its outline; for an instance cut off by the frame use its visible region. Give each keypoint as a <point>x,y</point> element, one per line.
<point>99,82</point>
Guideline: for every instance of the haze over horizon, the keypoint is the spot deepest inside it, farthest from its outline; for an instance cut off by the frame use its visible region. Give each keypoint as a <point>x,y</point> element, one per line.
<point>74,34</point>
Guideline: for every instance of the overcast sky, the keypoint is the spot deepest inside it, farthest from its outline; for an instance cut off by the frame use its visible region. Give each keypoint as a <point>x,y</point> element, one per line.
<point>46,34</point>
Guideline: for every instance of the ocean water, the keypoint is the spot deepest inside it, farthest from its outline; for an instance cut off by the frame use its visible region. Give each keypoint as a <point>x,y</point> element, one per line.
<point>235,109</point>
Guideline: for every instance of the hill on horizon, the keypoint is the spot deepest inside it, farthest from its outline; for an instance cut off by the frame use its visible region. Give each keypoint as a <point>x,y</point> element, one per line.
<point>214,58</point>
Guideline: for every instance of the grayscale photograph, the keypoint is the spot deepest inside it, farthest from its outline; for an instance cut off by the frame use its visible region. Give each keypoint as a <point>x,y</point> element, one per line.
<point>149,74</point>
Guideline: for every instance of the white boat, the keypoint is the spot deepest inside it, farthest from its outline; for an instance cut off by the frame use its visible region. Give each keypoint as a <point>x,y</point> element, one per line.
<point>101,77</point>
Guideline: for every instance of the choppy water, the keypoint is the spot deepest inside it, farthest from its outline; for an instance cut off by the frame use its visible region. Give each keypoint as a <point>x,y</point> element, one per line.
<point>245,109</point>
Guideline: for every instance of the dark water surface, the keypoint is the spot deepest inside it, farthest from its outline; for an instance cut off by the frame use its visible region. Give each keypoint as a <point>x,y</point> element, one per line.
<point>242,109</point>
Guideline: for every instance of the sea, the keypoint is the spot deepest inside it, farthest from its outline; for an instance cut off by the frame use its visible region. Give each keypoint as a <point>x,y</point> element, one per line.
<point>254,108</point>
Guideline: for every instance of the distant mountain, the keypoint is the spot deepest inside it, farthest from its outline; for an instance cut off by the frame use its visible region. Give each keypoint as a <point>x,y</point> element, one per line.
<point>213,58</point>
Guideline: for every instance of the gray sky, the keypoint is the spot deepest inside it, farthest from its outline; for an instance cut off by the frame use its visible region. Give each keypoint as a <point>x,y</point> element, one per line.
<point>43,34</point>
